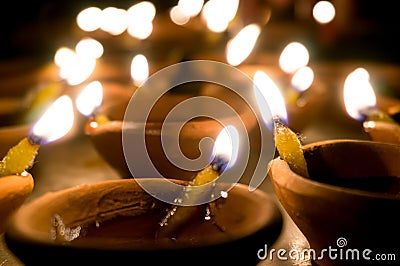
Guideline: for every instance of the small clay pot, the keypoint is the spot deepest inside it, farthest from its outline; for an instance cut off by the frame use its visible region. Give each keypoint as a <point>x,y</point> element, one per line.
<point>119,222</point>
<point>14,190</point>
<point>350,200</point>
<point>107,137</point>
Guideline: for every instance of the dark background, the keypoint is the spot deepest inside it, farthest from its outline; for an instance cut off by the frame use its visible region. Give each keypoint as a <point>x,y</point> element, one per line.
<point>370,32</point>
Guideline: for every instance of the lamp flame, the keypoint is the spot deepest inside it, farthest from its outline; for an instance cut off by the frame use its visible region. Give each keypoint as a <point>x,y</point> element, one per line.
<point>217,14</point>
<point>142,11</point>
<point>358,94</point>
<point>74,67</point>
<point>190,8</point>
<point>140,19</point>
<point>294,56</point>
<point>324,12</point>
<point>177,16</point>
<point>63,56</point>
<point>139,69</point>
<point>302,79</point>
<point>89,19</point>
<point>56,122</point>
<point>90,98</point>
<point>226,147</point>
<point>114,20</point>
<point>269,98</point>
<point>240,46</point>
<point>89,47</point>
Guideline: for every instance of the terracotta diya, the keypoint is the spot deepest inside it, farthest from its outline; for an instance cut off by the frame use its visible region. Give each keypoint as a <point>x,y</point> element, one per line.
<point>106,136</point>
<point>352,194</point>
<point>117,221</point>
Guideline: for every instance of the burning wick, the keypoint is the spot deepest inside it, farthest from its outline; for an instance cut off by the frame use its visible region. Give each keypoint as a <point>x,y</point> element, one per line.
<point>224,156</point>
<point>139,69</point>
<point>360,102</point>
<point>89,101</point>
<point>359,98</point>
<point>53,124</point>
<point>287,142</point>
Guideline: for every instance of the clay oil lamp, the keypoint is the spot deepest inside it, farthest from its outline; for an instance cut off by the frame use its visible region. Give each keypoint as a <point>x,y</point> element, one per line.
<point>361,104</point>
<point>106,135</point>
<point>342,194</point>
<point>347,201</point>
<point>150,219</point>
<point>16,181</point>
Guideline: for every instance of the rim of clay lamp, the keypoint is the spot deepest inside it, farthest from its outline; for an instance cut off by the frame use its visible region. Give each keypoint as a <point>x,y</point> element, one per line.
<point>283,176</point>
<point>14,190</point>
<point>29,230</point>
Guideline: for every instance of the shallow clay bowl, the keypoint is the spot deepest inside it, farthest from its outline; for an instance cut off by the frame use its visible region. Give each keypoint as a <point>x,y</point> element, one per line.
<point>127,221</point>
<point>353,192</point>
<point>107,137</point>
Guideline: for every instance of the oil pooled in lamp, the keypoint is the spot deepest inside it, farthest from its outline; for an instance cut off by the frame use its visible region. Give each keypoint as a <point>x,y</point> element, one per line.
<point>360,103</point>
